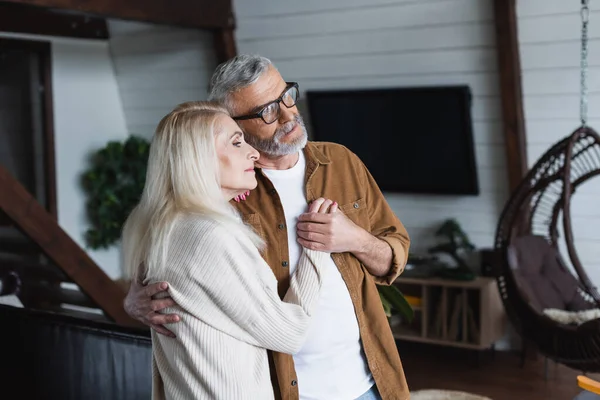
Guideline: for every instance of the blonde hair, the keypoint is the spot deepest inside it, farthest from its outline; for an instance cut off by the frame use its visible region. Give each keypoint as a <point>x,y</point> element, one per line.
<point>182,178</point>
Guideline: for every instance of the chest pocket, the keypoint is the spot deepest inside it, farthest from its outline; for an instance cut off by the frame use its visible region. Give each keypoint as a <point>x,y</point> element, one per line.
<point>357,212</point>
<point>253,220</point>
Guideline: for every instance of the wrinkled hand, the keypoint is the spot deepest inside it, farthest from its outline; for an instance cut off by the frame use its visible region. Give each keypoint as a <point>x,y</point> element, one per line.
<point>329,231</point>
<point>140,305</point>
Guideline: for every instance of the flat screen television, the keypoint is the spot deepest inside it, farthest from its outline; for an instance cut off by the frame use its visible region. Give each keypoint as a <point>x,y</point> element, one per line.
<point>413,140</point>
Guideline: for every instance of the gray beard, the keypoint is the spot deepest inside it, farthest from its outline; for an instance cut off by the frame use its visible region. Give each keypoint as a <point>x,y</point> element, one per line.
<point>273,147</point>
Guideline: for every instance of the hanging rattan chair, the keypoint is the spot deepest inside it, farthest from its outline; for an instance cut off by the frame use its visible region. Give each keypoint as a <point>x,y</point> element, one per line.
<point>534,214</point>
<point>536,208</point>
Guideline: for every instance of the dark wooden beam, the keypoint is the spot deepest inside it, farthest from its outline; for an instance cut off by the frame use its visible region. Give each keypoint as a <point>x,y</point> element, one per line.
<point>509,69</point>
<point>201,14</point>
<point>38,21</point>
<point>224,42</point>
<point>37,224</point>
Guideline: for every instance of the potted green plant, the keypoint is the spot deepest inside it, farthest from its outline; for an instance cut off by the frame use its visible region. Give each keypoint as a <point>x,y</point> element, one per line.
<point>456,245</point>
<point>113,183</point>
<point>392,300</point>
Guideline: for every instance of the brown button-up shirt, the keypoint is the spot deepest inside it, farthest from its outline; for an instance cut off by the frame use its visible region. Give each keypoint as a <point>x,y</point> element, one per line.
<point>333,172</point>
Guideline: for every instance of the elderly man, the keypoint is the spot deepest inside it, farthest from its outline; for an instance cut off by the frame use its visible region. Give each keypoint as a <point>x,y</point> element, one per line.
<point>350,352</point>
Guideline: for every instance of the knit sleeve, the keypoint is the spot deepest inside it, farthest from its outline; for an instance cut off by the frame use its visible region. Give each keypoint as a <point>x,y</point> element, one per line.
<point>226,284</point>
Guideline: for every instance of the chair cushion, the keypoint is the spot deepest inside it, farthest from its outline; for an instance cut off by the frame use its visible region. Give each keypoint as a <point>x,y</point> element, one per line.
<point>543,277</point>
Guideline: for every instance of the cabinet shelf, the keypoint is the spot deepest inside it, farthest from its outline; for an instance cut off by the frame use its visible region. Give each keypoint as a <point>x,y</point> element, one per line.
<point>467,314</point>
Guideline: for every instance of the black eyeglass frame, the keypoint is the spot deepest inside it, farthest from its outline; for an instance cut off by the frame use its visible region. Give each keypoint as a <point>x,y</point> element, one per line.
<point>277,101</point>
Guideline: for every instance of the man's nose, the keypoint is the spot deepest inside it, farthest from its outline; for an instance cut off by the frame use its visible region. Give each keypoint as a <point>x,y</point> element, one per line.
<point>286,114</point>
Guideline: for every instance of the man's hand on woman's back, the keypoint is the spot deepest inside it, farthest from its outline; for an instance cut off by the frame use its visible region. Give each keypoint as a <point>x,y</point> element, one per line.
<point>140,305</point>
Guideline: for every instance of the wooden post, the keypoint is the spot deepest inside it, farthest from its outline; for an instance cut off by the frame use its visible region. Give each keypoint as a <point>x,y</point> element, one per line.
<point>224,42</point>
<point>509,69</point>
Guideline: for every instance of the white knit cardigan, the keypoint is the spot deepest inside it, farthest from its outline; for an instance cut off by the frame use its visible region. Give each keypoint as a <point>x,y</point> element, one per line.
<point>230,314</point>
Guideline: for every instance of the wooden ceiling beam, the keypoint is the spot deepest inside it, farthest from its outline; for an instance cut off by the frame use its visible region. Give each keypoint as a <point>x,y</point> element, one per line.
<point>200,14</point>
<point>20,18</point>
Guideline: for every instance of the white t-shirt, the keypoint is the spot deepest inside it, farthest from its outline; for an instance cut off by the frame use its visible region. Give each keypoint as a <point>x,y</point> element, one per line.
<point>331,365</point>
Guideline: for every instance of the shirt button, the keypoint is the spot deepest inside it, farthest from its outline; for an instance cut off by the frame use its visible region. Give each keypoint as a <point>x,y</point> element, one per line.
<point>294,382</point>
<point>355,205</point>
<point>281,226</point>
<point>284,263</point>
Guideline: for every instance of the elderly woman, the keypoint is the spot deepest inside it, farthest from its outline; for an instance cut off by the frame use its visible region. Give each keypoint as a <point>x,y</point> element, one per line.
<point>184,231</point>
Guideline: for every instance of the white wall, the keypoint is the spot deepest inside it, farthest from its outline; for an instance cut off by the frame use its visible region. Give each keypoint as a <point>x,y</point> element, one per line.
<point>392,43</point>
<point>550,43</point>
<point>158,67</point>
<point>87,114</point>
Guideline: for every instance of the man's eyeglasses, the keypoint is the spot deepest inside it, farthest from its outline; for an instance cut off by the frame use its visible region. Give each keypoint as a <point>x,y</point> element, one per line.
<point>270,112</point>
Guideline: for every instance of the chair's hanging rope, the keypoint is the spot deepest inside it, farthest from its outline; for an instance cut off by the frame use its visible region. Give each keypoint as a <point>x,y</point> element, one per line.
<point>583,105</point>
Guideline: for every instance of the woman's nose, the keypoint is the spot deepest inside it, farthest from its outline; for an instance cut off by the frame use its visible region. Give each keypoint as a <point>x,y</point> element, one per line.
<point>254,155</point>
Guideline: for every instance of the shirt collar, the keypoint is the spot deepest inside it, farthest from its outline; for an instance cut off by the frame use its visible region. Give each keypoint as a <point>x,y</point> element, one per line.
<point>312,152</point>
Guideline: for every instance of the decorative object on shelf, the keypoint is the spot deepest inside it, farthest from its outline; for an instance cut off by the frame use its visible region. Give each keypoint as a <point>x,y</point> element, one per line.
<point>422,266</point>
<point>457,246</point>
<point>113,185</point>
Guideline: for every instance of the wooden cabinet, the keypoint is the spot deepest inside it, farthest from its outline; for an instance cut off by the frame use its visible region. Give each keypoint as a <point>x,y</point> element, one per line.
<point>452,313</point>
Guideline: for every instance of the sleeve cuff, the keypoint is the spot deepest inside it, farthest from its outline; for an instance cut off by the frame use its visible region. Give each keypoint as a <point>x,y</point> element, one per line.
<point>399,259</point>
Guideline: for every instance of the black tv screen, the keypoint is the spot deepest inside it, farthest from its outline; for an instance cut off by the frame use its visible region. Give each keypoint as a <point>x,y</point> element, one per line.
<point>412,140</point>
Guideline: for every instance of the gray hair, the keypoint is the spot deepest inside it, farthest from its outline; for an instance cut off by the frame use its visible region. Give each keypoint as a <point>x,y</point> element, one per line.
<point>235,74</point>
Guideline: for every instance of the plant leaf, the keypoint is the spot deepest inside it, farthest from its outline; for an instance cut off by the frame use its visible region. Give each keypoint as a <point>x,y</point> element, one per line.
<point>113,184</point>
<point>387,307</point>
<point>396,299</point>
